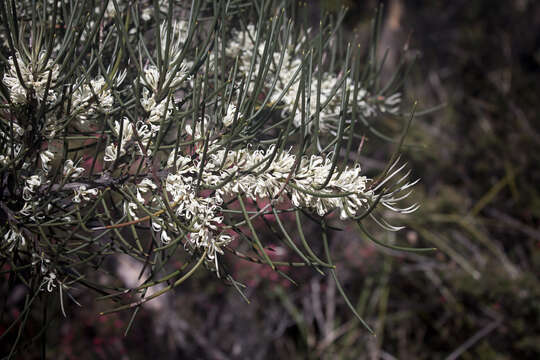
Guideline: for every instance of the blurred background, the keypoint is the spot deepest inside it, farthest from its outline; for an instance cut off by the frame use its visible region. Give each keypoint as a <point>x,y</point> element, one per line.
<point>477,297</point>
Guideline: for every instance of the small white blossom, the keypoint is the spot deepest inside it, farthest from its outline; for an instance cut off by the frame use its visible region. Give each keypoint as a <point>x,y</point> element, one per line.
<point>216,247</point>
<point>145,132</point>
<point>26,209</point>
<point>146,14</point>
<point>50,281</point>
<point>17,130</point>
<point>228,119</point>
<point>194,130</point>
<point>151,77</point>
<point>46,157</point>
<point>111,153</point>
<point>31,183</point>
<point>110,11</point>
<point>129,208</point>
<point>72,171</point>
<point>165,238</point>
<point>14,238</point>
<point>182,162</point>
<point>144,186</point>
<point>157,113</point>
<point>42,260</point>
<point>157,224</point>
<point>67,219</point>
<point>391,104</point>
<point>83,194</point>
<point>127,130</point>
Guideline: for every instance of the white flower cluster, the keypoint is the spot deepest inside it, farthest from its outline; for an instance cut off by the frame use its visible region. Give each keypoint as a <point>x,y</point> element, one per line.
<point>176,75</point>
<point>50,279</point>
<point>270,174</point>
<point>10,144</point>
<point>158,110</point>
<point>82,193</point>
<point>29,189</point>
<point>92,96</point>
<point>309,182</point>
<point>287,86</point>
<point>176,72</point>
<point>201,214</point>
<point>34,75</point>
<point>26,79</point>
<point>111,151</point>
<point>131,207</point>
<point>242,45</point>
<point>33,197</point>
<point>345,190</point>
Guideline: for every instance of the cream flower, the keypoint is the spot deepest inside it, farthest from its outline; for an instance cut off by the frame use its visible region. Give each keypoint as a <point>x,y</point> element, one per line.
<point>130,208</point>
<point>46,157</point>
<point>127,130</point>
<point>144,186</point>
<point>35,74</point>
<point>72,171</point>
<point>83,194</point>
<point>14,238</point>
<point>165,238</point>
<point>31,183</point>
<point>111,153</point>
<point>90,97</point>
<point>50,280</point>
<point>228,119</point>
<point>285,82</point>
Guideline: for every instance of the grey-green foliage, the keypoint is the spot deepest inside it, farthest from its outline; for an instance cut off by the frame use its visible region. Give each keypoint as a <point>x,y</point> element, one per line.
<point>154,129</point>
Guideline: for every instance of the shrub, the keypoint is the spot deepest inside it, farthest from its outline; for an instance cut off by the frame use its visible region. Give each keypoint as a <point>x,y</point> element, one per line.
<point>168,132</point>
